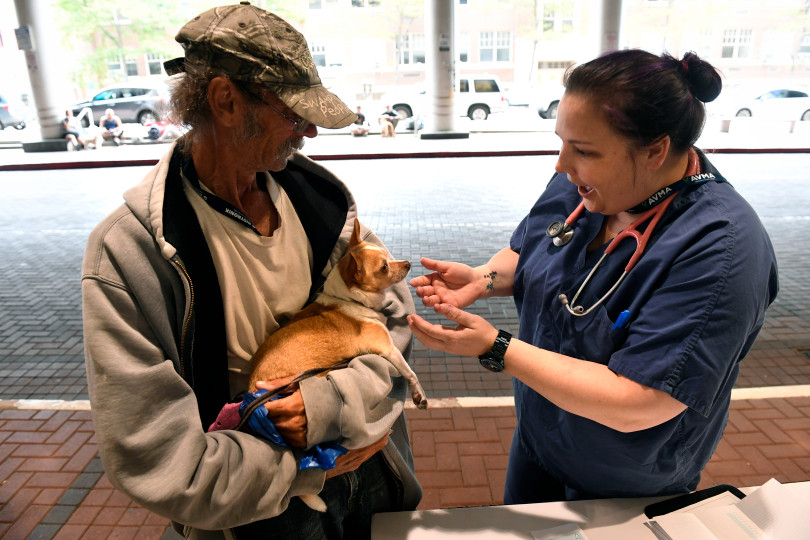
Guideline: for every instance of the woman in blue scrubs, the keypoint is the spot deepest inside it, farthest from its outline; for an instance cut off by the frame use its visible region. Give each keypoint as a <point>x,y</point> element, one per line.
<point>631,398</point>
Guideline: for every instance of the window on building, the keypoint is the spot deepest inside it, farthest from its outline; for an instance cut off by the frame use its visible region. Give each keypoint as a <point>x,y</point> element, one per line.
<point>114,68</point>
<point>321,4</point>
<point>154,63</point>
<point>463,47</point>
<point>558,16</point>
<point>495,46</point>
<point>804,45</point>
<point>412,49</point>
<point>366,3</point>
<point>737,43</point>
<point>555,64</point>
<point>318,51</point>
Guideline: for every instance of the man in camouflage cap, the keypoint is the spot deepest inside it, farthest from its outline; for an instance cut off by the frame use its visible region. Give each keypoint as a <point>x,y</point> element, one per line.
<point>228,236</point>
<point>254,46</point>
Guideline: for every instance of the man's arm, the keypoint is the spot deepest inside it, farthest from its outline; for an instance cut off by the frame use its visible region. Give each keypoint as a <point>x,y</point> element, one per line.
<point>148,427</point>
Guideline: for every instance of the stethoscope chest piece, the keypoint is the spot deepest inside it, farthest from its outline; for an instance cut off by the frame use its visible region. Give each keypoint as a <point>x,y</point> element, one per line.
<point>560,233</point>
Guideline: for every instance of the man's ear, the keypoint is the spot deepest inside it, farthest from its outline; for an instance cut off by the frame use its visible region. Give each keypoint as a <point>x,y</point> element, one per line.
<point>656,152</point>
<point>225,101</point>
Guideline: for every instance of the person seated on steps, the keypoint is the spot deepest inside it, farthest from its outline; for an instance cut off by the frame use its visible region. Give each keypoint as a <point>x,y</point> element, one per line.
<point>388,121</point>
<point>111,127</point>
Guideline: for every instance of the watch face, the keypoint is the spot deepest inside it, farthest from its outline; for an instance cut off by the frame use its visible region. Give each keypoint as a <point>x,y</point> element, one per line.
<point>491,363</point>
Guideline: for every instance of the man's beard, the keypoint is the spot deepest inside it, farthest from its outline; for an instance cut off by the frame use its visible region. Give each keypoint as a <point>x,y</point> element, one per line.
<point>288,147</point>
<point>251,128</point>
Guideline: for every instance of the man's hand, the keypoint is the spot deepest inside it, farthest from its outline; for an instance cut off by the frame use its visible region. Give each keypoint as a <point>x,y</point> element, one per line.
<point>354,458</point>
<point>287,413</point>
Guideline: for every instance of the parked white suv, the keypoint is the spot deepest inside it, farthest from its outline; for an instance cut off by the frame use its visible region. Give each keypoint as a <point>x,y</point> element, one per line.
<point>476,96</point>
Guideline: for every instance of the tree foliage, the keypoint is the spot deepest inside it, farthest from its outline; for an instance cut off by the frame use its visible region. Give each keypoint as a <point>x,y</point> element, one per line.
<point>110,31</point>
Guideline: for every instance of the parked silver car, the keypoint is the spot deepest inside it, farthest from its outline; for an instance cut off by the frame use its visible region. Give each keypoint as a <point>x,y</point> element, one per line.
<point>8,116</point>
<point>133,103</point>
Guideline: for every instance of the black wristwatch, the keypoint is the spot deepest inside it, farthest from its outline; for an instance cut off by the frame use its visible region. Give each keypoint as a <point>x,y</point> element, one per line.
<point>493,359</point>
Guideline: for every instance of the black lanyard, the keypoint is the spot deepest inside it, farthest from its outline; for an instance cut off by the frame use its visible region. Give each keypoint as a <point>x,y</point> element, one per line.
<point>662,194</point>
<point>223,207</point>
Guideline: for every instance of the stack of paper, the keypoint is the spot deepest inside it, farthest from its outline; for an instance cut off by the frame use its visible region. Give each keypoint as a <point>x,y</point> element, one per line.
<point>771,512</point>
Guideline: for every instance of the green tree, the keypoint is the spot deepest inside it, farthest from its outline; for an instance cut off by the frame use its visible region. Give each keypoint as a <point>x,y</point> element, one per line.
<point>110,31</point>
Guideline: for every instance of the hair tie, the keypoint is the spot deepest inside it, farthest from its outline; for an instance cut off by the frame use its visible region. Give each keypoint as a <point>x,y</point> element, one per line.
<point>685,66</point>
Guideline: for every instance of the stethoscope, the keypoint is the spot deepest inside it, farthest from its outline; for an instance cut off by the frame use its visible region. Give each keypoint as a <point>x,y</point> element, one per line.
<point>561,233</point>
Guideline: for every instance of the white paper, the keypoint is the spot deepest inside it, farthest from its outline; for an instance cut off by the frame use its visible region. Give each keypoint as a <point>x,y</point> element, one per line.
<point>566,531</point>
<point>777,511</point>
<point>684,527</point>
<point>771,512</point>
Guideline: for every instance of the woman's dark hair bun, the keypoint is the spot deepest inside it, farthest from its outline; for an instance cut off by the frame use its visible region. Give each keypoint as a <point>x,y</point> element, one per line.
<point>704,81</point>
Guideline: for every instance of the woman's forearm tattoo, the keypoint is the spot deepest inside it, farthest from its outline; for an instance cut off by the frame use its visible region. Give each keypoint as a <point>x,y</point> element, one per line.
<point>491,276</point>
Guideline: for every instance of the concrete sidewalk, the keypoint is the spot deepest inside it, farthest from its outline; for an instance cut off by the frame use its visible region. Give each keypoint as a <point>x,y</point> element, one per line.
<point>52,484</point>
<point>492,137</point>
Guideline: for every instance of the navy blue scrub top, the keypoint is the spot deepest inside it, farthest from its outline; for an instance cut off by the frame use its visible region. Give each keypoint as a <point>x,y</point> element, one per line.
<point>697,300</point>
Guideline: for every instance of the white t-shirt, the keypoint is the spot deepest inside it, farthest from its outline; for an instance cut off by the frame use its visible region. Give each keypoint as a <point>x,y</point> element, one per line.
<point>264,280</point>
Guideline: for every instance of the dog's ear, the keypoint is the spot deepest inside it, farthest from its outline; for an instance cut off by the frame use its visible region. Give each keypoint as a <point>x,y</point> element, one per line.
<point>348,268</point>
<point>355,239</point>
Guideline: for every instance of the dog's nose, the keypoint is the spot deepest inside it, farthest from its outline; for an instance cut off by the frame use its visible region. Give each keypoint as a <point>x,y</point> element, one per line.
<point>407,265</point>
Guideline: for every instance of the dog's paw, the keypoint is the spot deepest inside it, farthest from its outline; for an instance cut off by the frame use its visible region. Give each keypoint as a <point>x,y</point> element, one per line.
<point>315,502</point>
<point>420,401</point>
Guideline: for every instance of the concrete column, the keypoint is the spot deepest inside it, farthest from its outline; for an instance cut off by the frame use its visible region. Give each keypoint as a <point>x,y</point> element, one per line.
<point>44,62</point>
<point>440,65</point>
<point>611,25</point>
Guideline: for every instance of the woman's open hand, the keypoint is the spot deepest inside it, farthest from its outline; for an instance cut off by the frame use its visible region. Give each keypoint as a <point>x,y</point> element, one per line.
<point>449,283</point>
<point>472,335</point>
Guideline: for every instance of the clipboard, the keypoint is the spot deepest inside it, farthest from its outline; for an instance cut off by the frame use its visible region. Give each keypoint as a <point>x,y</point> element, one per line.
<point>688,499</point>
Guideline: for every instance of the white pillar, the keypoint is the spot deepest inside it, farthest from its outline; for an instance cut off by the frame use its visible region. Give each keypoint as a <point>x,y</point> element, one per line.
<point>611,25</point>
<point>440,63</point>
<point>43,60</point>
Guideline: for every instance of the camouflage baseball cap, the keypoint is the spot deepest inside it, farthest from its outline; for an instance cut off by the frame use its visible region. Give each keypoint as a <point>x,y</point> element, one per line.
<point>252,45</point>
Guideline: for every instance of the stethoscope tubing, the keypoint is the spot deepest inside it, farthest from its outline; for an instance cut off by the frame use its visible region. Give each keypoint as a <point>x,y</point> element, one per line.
<point>654,214</point>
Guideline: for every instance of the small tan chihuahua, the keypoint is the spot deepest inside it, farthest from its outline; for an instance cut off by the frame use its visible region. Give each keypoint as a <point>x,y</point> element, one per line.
<point>344,321</point>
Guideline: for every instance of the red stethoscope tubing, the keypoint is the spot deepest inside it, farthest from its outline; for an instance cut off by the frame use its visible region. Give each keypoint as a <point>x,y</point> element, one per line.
<point>641,244</point>
<point>641,238</point>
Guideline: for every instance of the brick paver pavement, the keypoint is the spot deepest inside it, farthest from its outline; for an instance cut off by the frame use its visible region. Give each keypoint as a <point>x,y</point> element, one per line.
<point>52,484</point>
<point>51,481</point>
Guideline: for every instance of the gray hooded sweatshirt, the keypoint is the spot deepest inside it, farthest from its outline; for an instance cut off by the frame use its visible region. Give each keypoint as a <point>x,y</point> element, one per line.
<point>157,367</point>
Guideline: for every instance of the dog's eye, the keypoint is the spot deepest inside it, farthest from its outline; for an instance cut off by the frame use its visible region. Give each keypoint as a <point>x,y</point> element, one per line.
<point>385,267</point>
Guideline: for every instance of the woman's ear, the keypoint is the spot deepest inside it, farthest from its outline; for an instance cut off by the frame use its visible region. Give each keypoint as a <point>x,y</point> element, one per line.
<point>224,102</point>
<point>656,152</point>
